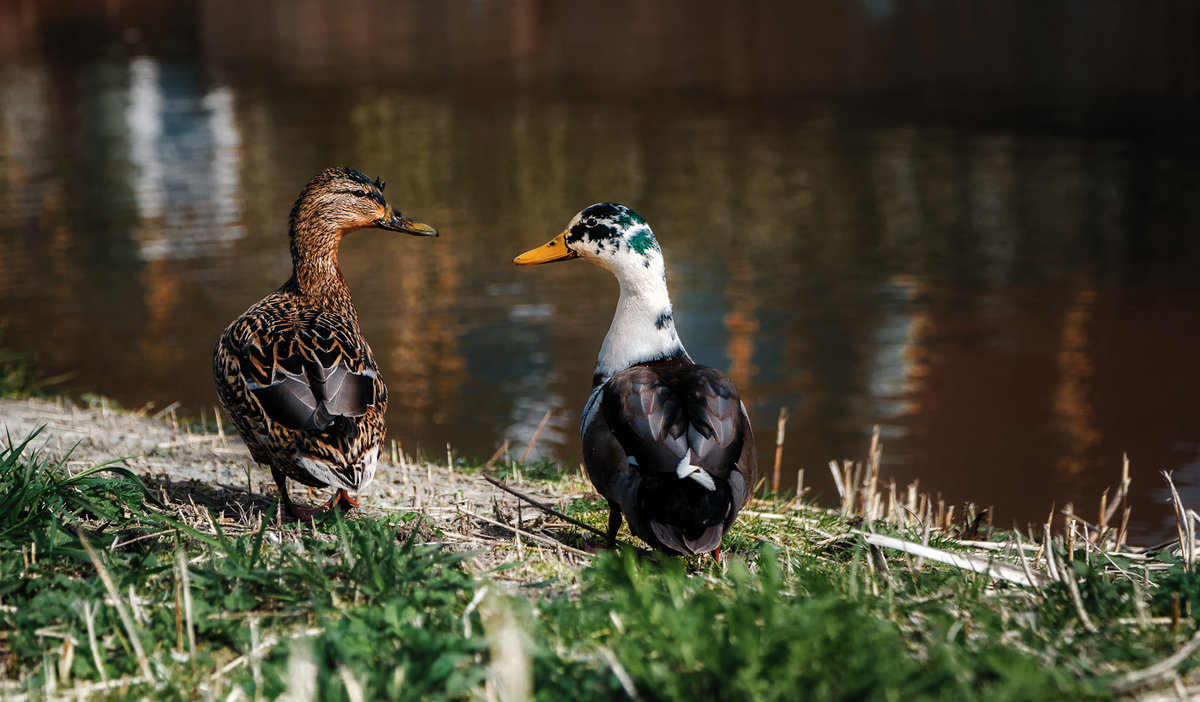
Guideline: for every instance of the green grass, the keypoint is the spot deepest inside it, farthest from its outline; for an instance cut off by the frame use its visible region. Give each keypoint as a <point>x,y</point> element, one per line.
<point>361,609</point>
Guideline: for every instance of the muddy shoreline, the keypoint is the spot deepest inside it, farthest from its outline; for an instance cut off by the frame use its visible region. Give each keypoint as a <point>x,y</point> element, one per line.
<point>216,469</point>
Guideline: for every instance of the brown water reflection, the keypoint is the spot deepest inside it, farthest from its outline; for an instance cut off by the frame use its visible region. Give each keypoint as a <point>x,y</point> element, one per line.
<point>984,240</point>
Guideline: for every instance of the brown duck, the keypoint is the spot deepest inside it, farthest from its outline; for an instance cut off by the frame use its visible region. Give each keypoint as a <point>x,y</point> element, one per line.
<point>293,372</point>
<point>665,440</point>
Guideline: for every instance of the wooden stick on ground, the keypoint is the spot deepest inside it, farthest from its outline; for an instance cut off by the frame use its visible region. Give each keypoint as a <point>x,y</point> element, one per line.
<point>545,508</point>
<point>523,532</point>
<point>996,569</point>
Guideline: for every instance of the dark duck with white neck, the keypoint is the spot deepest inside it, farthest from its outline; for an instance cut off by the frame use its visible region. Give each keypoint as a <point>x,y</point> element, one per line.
<point>665,440</point>
<point>293,372</point>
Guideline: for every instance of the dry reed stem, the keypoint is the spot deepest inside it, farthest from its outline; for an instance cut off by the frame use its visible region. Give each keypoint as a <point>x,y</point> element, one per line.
<point>1121,534</point>
<point>837,482</point>
<point>186,587</point>
<point>510,668</point>
<point>255,659</point>
<point>89,616</point>
<point>178,614</point>
<point>536,433</point>
<point>997,570</point>
<point>780,434</point>
<point>169,409</point>
<point>874,457</point>
<point>1158,672</point>
<point>267,644</point>
<point>622,675</point>
<point>496,456</point>
<point>1183,528</point>
<point>1048,554</point>
<point>84,691</point>
<point>1024,563</point>
<point>126,621</point>
<point>1076,598</point>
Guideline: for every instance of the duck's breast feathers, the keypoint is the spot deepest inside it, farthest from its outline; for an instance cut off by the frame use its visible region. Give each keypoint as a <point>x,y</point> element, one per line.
<point>306,368</point>
<point>668,411</point>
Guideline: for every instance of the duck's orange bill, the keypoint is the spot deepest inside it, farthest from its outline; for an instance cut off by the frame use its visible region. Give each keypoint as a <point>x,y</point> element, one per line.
<point>553,250</point>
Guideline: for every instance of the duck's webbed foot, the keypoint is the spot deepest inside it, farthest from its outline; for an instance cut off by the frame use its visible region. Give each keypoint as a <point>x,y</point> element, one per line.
<point>341,499</point>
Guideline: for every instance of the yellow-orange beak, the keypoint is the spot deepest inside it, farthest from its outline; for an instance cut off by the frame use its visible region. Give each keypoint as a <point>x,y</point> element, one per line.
<point>553,250</point>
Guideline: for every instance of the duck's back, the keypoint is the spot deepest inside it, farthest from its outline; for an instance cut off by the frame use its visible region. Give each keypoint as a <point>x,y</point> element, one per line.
<point>670,443</point>
<point>302,388</point>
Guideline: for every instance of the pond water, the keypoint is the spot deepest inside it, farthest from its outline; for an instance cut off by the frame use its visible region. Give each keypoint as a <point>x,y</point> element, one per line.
<point>977,227</point>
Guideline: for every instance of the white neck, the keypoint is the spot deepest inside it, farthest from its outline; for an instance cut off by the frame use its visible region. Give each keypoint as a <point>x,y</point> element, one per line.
<point>643,327</point>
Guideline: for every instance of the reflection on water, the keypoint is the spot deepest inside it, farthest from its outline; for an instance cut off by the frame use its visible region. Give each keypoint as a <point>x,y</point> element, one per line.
<point>182,211</point>
<point>996,266</point>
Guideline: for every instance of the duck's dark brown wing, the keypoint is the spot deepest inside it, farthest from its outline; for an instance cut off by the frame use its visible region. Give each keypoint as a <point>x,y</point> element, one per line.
<point>309,375</point>
<point>672,418</point>
<point>659,412</point>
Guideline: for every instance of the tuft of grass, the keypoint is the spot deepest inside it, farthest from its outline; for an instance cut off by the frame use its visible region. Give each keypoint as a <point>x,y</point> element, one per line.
<point>801,606</point>
<point>768,635</point>
<point>39,500</point>
<point>352,590</point>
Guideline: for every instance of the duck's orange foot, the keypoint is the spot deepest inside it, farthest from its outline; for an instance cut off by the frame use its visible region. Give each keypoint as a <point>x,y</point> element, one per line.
<point>304,513</point>
<point>341,500</point>
<point>344,500</point>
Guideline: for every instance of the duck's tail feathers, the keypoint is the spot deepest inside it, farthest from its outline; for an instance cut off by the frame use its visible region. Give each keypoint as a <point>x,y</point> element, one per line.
<point>677,539</point>
<point>353,477</point>
<point>685,514</point>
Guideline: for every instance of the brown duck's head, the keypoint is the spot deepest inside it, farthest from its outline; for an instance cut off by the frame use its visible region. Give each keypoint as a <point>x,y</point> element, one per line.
<point>339,200</point>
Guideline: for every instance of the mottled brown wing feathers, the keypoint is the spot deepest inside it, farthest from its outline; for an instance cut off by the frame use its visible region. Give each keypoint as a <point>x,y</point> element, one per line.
<point>305,367</point>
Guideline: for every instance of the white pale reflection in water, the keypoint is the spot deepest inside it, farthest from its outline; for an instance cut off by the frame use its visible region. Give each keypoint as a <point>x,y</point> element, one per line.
<point>185,152</point>
<point>895,367</point>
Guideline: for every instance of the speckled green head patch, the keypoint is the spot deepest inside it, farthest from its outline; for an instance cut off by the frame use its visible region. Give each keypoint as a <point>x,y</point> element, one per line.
<point>642,240</point>
<point>608,228</point>
<point>627,217</point>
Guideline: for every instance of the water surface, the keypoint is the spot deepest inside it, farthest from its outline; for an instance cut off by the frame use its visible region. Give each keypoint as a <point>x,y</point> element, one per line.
<point>976,227</point>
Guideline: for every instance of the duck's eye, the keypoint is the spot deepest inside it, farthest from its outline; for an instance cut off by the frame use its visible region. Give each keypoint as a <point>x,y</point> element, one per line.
<point>359,193</point>
<point>591,222</point>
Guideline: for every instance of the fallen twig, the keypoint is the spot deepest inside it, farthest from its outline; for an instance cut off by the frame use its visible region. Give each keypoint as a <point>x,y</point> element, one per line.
<point>545,508</point>
<point>524,532</point>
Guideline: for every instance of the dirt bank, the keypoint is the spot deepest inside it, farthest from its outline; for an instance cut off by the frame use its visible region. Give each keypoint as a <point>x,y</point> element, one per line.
<point>216,469</point>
